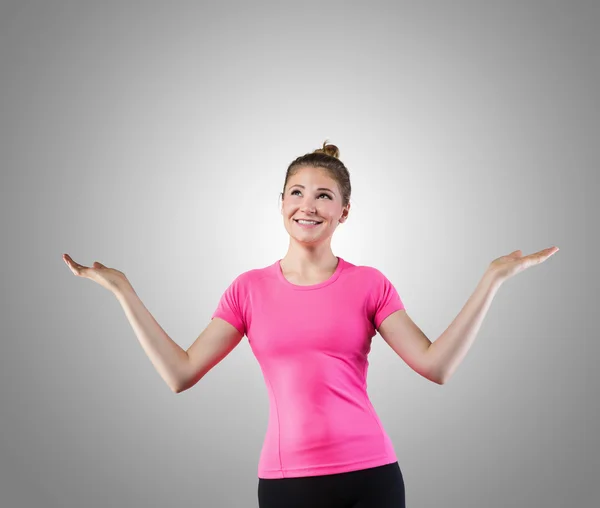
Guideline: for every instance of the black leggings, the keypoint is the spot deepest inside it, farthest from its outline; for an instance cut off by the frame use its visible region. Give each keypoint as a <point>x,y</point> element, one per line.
<point>376,487</point>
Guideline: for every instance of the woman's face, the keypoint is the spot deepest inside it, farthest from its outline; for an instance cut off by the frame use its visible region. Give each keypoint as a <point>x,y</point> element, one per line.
<point>312,194</point>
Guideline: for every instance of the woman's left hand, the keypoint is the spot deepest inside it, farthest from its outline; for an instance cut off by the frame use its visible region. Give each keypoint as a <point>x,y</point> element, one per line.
<point>505,267</point>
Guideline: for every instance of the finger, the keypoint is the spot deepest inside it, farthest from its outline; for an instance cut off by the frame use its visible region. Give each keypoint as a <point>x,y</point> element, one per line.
<point>546,253</point>
<point>551,251</point>
<point>541,256</point>
<point>74,266</point>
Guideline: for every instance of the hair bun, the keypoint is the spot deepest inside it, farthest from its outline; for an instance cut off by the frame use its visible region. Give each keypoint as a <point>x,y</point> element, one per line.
<point>330,150</point>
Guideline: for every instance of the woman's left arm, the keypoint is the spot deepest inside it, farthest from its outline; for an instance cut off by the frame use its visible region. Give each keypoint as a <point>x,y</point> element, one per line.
<point>448,351</point>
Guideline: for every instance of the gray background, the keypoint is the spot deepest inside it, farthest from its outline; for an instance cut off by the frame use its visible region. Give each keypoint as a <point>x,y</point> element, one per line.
<point>154,137</point>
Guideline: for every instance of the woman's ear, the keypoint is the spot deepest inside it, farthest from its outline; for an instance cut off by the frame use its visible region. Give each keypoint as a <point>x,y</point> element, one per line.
<point>345,213</point>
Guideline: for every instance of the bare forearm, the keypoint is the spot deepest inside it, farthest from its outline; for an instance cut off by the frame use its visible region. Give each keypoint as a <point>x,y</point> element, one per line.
<point>448,351</point>
<point>169,359</point>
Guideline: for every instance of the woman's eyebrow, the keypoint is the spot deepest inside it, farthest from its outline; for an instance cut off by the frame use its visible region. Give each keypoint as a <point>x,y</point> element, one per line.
<point>320,188</point>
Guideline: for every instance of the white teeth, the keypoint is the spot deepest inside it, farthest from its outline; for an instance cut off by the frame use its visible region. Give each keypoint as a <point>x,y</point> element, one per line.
<point>307,222</point>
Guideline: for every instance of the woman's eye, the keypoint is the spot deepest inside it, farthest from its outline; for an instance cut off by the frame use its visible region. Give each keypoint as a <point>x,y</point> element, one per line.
<point>323,194</point>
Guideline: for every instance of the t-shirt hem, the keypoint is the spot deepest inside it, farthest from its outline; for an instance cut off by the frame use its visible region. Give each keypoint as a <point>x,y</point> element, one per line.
<point>225,317</point>
<point>325,470</point>
<point>387,312</point>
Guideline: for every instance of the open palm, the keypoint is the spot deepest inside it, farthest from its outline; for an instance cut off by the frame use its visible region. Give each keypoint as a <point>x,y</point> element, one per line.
<point>109,278</point>
<point>506,266</point>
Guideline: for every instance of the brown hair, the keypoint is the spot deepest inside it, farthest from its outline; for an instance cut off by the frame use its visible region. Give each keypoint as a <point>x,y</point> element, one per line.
<point>326,158</point>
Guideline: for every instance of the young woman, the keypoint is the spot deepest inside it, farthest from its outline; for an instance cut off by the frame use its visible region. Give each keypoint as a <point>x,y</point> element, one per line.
<point>309,318</point>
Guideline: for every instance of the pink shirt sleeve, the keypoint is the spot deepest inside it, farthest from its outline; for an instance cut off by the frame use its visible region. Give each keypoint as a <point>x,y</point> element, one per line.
<point>231,306</point>
<point>387,299</point>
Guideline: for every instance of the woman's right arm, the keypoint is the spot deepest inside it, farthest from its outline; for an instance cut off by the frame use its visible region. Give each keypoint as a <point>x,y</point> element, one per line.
<point>180,369</point>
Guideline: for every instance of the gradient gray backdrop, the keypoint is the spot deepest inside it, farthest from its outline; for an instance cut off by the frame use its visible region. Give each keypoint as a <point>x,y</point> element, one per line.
<point>154,137</point>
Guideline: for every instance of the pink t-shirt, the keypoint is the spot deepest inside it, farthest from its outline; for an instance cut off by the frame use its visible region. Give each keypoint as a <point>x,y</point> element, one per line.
<point>312,344</point>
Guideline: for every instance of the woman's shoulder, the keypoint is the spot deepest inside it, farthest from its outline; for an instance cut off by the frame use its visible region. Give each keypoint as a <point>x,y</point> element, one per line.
<point>253,274</point>
<point>363,270</point>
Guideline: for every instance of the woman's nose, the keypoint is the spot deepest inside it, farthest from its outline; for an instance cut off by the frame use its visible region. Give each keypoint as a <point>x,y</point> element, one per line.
<point>309,204</point>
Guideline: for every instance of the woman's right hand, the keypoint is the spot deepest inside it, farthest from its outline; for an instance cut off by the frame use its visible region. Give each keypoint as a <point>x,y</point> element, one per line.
<point>109,278</point>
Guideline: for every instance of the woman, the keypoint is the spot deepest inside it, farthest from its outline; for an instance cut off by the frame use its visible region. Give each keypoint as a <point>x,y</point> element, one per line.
<point>309,318</point>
